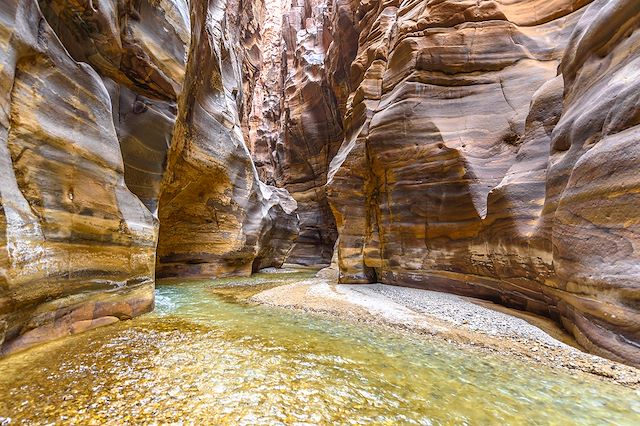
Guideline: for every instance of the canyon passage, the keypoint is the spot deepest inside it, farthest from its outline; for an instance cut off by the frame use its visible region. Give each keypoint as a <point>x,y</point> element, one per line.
<point>319,211</point>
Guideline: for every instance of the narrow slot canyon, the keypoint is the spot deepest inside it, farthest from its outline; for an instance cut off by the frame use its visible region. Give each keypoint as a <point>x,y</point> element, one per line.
<point>319,212</point>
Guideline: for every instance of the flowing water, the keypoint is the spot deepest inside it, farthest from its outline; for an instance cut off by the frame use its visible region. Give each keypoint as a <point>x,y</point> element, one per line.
<point>206,357</point>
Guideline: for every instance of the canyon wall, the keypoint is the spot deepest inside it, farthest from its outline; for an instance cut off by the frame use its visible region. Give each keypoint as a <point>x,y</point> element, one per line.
<point>77,247</point>
<point>139,49</point>
<point>491,150</point>
<point>216,217</point>
<point>486,148</point>
<point>90,93</point>
<point>294,126</point>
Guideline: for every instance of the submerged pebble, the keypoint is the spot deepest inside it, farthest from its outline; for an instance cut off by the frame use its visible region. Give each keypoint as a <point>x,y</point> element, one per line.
<point>205,357</point>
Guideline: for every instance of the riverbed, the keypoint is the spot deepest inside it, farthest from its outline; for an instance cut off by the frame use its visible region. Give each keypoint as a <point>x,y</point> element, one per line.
<point>208,356</point>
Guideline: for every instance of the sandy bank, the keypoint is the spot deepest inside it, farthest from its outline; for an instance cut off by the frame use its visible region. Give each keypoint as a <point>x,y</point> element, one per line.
<point>463,321</point>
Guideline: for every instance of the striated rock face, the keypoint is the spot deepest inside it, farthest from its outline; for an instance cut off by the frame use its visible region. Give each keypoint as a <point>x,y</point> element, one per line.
<point>294,126</point>
<point>145,129</point>
<point>489,151</point>
<point>139,48</point>
<point>487,148</point>
<point>593,182</point>
<point>89,93</point>
<point>263,126</point>
<point>216,217</point>
<point>312,129</point>
<point>76,246</point>
<point>138,43</point>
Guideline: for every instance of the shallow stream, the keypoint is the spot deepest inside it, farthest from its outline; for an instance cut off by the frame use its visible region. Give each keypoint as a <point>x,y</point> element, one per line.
<point>205,356</point>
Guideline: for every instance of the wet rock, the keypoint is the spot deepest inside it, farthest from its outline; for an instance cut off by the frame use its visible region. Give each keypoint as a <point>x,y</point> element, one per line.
<point>488,152</point>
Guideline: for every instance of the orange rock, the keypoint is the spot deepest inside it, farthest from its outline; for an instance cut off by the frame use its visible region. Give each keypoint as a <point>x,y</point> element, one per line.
<point>489,152</point>
<point>216,217</point>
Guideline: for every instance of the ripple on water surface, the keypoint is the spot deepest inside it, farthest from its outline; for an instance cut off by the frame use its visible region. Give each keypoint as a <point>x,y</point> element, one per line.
<point>201,358</point>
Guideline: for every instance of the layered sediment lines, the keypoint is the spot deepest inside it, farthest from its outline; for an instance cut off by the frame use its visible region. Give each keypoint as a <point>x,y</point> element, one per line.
<point>76,246</point>
<point>488,151</point>
<point>312,129</point>
<point>295,127</point>
<point>89,94</point>
<point>486,148</point>
<point>139,50</point>
<point>216,217</point>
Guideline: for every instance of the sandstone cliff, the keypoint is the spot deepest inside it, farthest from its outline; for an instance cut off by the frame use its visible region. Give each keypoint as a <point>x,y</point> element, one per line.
<point>216,217</point>
<point>90,94</point>
<point>487,148</point>
<point>295,129</point>
<point>76,246</point>
<point>489,151</point>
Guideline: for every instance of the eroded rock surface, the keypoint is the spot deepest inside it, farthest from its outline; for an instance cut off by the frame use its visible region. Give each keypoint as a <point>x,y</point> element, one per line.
<point>487,148</point>
<point>295,127</point>
<point>489,151</point>
<point>215,214</point>
<point>76,246</point>
<point>312,129</point>
<point>139,48</point>
<point>89,103</point>
<point>139,43</point>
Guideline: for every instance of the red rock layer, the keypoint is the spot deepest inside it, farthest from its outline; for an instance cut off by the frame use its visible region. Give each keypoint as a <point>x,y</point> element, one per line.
<point>468,166</point>
<point>295,128</point>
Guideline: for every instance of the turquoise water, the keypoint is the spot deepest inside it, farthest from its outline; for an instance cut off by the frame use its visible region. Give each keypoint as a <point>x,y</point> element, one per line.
<point>205,358</point>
